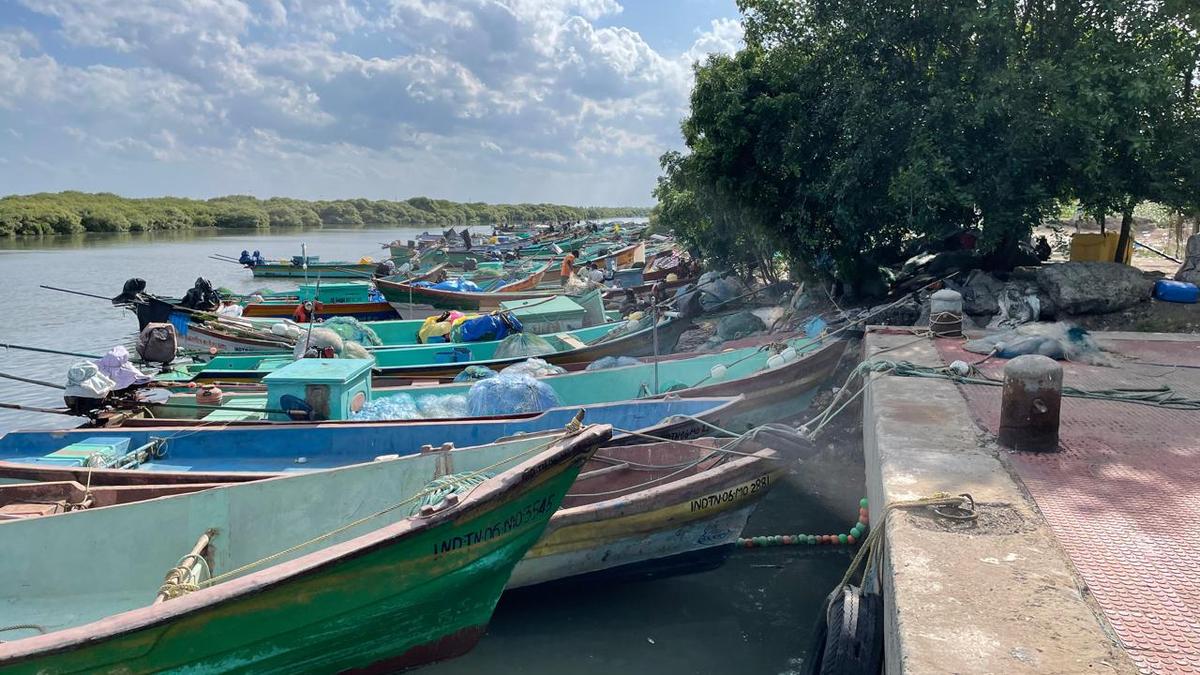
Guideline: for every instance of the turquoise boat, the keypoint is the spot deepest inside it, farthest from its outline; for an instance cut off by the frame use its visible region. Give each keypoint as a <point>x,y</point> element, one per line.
<point>445,361</point>
<point>778,380</point>
<point>375,567</point>
<point>315,269</point>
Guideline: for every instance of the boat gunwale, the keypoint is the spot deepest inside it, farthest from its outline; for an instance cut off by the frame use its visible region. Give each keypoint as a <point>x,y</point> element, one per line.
<point>479,499</point>
<point>667,494</point>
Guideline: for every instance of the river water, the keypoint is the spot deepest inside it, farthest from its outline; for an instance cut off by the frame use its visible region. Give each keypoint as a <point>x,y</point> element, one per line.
<point>753,615</point>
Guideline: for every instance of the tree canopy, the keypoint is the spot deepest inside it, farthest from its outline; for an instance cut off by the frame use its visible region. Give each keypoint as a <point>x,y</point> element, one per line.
<point>72,212</point>
<point>845,129</point>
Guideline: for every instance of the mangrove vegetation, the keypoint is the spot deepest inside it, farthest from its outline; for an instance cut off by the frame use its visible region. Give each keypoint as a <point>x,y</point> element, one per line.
<point>74,212</point>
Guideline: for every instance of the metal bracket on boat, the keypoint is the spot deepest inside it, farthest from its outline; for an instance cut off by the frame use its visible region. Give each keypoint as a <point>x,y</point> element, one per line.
<point>576,424</point>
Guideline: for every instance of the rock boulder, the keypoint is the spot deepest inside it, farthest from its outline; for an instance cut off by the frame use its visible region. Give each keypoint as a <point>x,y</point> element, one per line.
<point>740,325</point>
<point>1093,287</point>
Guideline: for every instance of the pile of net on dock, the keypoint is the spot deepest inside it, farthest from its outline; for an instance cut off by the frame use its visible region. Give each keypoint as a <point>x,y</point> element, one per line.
<point>1057,340</point>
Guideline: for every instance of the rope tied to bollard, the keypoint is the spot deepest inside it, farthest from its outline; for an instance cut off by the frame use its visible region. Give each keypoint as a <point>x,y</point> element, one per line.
<point>869,554</point>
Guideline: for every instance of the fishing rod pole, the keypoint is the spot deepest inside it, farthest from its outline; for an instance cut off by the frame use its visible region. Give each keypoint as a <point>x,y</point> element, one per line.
<point>27,380</point>
<point>228,260</point>
<point>83,293</point>
<point>31,408</point>
<point>43,350</point>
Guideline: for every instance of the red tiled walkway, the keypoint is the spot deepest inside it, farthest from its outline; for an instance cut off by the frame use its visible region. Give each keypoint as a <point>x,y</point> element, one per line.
<point>1123,495</point>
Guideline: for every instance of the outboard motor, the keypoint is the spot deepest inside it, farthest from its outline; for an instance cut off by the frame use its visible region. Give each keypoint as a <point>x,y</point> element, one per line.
<point>201,296</point>
<point>131,292</point>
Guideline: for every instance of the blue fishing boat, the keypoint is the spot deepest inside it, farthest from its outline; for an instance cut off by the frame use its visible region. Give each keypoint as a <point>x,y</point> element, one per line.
<point>155,453</point>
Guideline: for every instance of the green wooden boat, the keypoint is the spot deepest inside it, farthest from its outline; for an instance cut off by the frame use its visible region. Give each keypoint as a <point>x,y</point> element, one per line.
<point>338,570</point>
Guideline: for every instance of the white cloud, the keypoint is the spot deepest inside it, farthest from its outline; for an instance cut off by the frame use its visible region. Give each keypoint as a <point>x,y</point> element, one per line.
<point>530,99</point>
<point>724,36</point>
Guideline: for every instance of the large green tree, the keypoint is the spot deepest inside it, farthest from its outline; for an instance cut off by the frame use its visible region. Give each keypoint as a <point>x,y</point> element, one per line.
<point>843,130</point>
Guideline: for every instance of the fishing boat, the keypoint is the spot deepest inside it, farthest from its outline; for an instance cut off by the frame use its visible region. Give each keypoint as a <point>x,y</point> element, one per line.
<point>553,314</point>
<point>340,299</point>
<point>634,511</point>
<point>159,453</point>
<point>623,257</point>
<point>408,297</point>
<point>650,510</point>
<point>401,365</point>
<point>296,269</point>
<point>369,568</point>
<point>777,379</point>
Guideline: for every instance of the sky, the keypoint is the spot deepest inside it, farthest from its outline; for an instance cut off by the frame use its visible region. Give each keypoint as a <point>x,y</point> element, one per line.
<point>565,101</point>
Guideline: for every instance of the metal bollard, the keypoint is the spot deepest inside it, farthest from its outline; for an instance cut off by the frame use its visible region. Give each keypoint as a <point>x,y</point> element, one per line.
<point>945,313</point>
<point>1032,400</point>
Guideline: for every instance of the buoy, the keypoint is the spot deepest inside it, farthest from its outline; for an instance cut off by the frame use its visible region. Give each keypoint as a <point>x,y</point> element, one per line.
<point>718,371</point>
<point>789,354</point>
<point>775,361</point>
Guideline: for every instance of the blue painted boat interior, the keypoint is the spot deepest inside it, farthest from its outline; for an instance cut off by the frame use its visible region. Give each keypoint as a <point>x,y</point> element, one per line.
<point>306,447</point>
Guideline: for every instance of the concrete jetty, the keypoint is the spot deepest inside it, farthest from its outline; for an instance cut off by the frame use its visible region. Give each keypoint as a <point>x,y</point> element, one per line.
<point>1081,560</point>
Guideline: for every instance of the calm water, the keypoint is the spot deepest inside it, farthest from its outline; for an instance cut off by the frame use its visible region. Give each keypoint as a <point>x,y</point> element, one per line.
<point>753,615</point>
<point>100,264</point>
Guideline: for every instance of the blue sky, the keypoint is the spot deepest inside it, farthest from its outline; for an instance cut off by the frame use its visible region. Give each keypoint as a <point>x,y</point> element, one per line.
<point>566,101</point>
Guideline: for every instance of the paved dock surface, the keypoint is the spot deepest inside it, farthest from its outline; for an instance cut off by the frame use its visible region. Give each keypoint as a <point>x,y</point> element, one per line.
<point>1122,496</point>
<point>994,595</point>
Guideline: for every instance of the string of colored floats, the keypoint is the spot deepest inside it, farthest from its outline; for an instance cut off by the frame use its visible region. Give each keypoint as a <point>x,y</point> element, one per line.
<point>856,533</point>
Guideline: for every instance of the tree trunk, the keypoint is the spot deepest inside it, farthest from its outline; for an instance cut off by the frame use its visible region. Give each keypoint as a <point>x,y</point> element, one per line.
<point>1126,239</point>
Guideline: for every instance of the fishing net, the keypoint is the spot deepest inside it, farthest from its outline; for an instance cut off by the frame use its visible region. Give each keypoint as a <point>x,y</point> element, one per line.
<point>612,362</point>
<point>473,373</point>
<point>350,328</point>
<point>404,407</point>
<point>353,350</point>
<point>523,344</point>
<point>319,340</point>
<point>508,394</point>
<point>534,368</point>
<point>1057,341</point>
<point>441,487</point>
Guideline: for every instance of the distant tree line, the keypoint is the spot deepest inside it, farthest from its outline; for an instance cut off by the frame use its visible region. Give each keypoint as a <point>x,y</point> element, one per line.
<point>72,212</point>
<point>844,131</point>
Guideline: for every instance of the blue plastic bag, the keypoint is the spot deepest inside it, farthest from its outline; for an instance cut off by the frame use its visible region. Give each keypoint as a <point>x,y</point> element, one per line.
<point>487,328</point>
